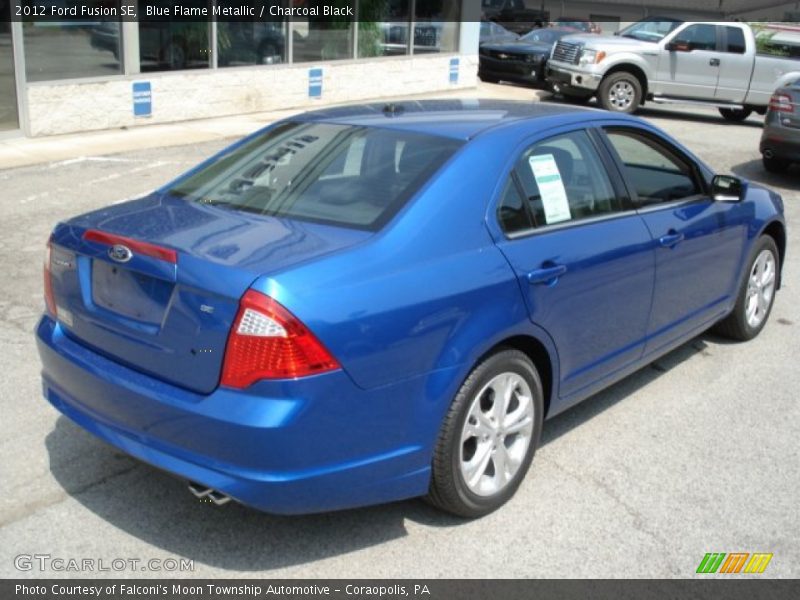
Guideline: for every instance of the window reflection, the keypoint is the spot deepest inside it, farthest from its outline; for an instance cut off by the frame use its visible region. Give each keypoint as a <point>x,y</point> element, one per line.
<point>322,38</point>
<point>436,26</point>
<point>250,41</point>
<point>72,49</point>
<point>171,44</point>
<point>383,27</point>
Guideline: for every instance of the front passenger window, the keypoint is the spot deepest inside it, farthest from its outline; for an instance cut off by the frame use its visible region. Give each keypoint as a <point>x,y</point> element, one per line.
<point>564,180</point>
<point>656,173</point>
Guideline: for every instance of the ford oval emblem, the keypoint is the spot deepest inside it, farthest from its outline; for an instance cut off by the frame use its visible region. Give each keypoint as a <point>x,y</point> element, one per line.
<point>120,253</point>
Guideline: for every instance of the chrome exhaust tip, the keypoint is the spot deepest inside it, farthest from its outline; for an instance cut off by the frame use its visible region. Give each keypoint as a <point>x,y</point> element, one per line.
<point>206,493</point>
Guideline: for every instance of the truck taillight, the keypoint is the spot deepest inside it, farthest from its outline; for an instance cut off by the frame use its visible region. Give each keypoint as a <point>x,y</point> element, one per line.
<point>268,342</point>
<point>49,298</point>
<point>781,103</point>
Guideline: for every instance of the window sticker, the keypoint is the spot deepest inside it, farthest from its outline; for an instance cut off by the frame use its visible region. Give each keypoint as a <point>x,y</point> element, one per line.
<point>551,188</point>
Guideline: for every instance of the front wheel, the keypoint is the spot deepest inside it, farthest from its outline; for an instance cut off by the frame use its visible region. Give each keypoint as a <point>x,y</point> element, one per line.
<point>756,293</point>
<point>735,115</point>
<point>620,92</point>
<point>488,437</point>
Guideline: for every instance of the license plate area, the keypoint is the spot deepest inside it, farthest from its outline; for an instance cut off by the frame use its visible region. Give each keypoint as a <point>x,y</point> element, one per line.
<point>129,293</point>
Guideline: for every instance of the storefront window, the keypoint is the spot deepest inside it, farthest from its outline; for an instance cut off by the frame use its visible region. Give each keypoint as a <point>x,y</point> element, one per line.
<point>250,42</point>
<point>383,27</point>
<point>322,38</point>
<point>169,43</point>
<point>72,49</point>
<point>436,26</point>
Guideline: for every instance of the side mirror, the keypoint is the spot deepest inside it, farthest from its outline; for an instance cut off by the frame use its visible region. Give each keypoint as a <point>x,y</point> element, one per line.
<point>727,188</point>
<point>677,46</point>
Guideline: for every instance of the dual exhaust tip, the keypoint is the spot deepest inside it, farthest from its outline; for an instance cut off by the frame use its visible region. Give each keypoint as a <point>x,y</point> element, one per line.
<point>207,494</point>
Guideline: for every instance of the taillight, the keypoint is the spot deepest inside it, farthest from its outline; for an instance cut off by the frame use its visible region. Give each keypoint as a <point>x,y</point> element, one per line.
<point>781,103</point>
<point>49,298</point>
<point>269,342</point>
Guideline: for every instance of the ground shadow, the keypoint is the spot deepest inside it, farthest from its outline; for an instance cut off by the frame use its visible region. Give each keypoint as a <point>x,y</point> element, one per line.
<point>157,508</point>
<point>660,111</point>
<point>754,170</point>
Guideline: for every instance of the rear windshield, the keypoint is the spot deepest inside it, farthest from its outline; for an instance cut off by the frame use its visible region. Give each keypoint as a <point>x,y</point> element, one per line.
<point>336,174</point>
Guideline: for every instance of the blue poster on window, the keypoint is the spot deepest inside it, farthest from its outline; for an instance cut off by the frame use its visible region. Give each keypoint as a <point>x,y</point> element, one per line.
<point>315,83</point>
<point>142,99</point>
<point>453,70</point>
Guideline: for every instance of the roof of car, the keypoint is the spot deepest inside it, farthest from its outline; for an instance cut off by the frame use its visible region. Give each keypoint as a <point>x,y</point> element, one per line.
<point>456,118</point>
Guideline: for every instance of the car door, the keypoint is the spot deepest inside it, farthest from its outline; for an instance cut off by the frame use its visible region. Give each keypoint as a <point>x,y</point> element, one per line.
<point>691,68</point>
<point>736,65</point>
<point>582,255</point>
<point>698,242</point>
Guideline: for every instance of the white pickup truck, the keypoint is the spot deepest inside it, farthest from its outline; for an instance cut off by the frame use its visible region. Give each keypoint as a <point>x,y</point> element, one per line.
<point>669,61</point>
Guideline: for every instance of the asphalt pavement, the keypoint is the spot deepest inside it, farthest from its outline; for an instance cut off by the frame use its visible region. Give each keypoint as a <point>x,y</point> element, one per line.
<point>696,453</point>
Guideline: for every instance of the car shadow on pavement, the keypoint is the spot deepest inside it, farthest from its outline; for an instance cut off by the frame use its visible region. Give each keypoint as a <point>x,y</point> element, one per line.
<point>754,170</point>
<point>158,509</point>
<point>659,112</point>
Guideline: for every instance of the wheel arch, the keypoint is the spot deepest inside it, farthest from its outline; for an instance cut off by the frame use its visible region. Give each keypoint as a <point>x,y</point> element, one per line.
<point>634,70</point>
<point>538,354</point>
<point>777,232</point>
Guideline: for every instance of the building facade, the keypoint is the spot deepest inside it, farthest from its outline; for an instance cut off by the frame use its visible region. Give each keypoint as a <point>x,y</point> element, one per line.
<point>84,75</point>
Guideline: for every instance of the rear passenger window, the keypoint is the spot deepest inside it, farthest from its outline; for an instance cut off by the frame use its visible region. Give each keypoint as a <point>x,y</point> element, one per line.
<point>512,212</point>
<point>735,43</point>
<point>563,179</point>
<point>656,173</point>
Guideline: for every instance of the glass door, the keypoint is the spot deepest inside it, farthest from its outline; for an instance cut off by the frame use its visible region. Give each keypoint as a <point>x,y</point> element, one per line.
<point>9,115</point>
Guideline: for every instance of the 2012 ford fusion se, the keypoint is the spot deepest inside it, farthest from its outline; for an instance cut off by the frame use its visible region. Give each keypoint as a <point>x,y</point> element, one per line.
<point>364,304</point>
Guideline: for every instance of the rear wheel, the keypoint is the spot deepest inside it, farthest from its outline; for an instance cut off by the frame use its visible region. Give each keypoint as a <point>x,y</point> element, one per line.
<point>756,294</point>
<point>488,437</point>
<point>620,92</point>
<point>488,79</point>
<point>774,164</point>
<point>735,115</point>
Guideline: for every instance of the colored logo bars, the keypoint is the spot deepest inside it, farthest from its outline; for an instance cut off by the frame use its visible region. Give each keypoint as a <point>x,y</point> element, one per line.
<point>735,562</point>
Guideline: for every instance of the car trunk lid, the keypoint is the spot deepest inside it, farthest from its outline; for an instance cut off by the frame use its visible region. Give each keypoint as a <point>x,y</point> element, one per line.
<point>155,283</point>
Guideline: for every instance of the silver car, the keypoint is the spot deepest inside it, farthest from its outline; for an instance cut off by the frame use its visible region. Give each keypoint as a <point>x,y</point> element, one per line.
<point>780,141</point>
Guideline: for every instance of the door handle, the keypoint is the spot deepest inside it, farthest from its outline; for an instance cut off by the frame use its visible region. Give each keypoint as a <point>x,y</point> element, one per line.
<point>548,275</point>
<point>714,62</point>
<point>672,239</point>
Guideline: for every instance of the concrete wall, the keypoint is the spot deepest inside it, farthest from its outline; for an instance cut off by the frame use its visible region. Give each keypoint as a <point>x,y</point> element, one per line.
<point>68,107</point>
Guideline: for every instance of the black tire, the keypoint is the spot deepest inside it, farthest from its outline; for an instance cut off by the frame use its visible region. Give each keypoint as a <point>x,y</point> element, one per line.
<point>735,325</point>
<point>626,81</point>
<point>488,79</point>
<point>775,164</point>
<point>174,55</point>
<point>448,489</point>
<point>735,115</point>
<point>576,98</point>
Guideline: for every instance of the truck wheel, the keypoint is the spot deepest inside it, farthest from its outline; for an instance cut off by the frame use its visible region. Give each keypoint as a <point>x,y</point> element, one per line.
<point>735,115</point>
<point>620,92</point>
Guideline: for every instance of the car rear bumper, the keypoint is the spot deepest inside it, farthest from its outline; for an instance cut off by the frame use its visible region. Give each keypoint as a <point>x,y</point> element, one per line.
<point>781,142</point>
<point>309,445</point>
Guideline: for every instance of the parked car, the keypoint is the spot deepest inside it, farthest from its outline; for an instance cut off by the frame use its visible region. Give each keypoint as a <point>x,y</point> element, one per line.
<point>780,140</point>
<point>669,61</point>
<point>364,304</point>
<point>514,15</point>
<point>493,33</point>
<point>521,61</point>
<point>579,25</point>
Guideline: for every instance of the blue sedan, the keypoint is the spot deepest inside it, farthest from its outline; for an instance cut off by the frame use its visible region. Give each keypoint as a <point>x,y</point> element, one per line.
<point>365,304</point>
